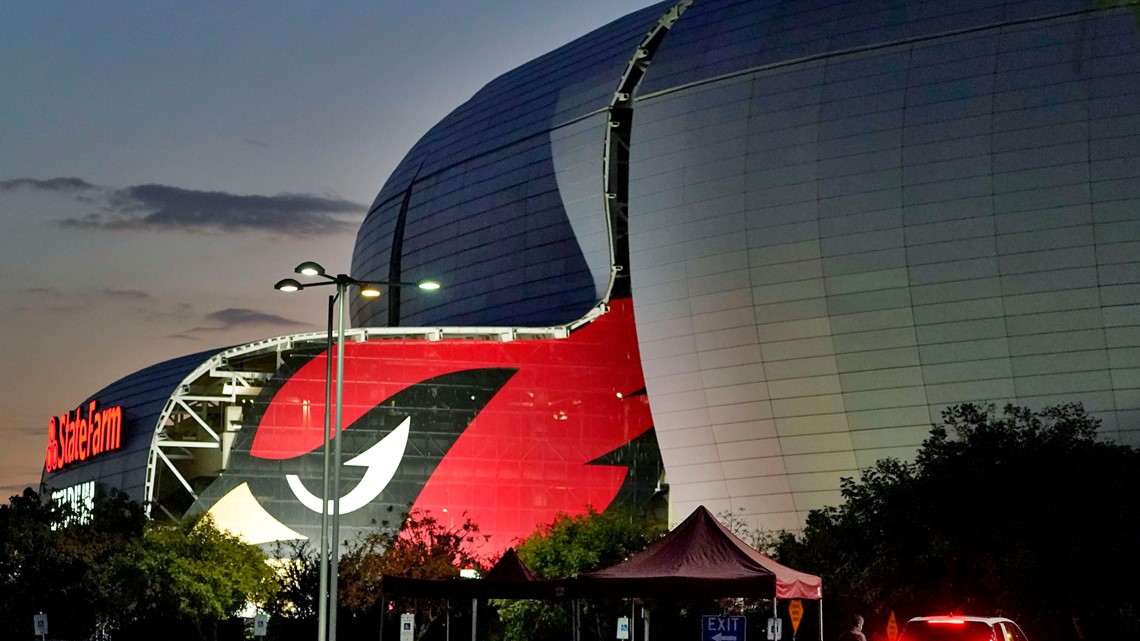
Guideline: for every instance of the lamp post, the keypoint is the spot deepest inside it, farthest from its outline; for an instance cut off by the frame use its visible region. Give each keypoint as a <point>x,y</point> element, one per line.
<point>326,607</point>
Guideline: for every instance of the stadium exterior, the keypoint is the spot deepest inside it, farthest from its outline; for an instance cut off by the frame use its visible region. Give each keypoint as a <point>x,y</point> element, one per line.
<point>827,221</point>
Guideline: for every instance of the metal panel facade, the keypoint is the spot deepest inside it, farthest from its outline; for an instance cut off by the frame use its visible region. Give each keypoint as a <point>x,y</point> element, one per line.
<point>842,217</point>
<point>846,240</point>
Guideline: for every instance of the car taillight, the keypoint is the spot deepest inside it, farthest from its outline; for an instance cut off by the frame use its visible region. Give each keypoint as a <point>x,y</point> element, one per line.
<point>947,620</point>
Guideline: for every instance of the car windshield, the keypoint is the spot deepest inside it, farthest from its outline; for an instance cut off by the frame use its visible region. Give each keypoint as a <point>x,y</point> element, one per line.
<point>944,631</point>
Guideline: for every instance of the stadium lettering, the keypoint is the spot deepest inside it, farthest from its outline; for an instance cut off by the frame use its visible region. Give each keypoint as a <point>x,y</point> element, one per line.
<point>78,435</point>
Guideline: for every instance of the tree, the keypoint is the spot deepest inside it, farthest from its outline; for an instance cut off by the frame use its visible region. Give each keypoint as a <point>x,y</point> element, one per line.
<point>292,609</point>
<point>188,576</point>
<point>421,546</point>
<point>760,539</point>
<point>566,547</point>
<point>53,561</point>
<point>1020,512</point>
<point>33,565</point>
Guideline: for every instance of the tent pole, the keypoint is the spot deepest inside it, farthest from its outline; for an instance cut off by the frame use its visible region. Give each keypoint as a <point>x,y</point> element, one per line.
<point>775,613</point>
<point>577,622</point>
<point>821,618</point>
<point>632,621</point>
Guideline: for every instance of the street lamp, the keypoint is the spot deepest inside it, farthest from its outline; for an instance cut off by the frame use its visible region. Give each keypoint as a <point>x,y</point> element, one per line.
<point>326,608</point>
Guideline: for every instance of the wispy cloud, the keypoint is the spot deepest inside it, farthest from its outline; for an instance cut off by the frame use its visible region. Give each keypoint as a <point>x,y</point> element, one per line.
<point>65,301</point>
<point>179,311</point>
<point>45,292</point>
<point>160,207</point>
<point>145,306</point>
<point>165,208</point>
<point>64,185</point>
<point>56,296</point>
<point>50,299</point>
<point>9,491</point>
<point>127,294</point>
<point>231,318</point>
<point>238,316</point>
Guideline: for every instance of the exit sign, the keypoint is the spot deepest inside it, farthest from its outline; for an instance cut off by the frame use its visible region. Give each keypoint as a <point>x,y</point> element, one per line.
<point>723,628</point>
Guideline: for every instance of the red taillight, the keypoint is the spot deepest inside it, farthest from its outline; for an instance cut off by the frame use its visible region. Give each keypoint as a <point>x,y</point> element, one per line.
<point>945,620</point>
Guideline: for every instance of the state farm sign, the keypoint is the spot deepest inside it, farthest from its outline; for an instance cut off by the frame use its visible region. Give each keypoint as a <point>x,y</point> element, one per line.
<point>81,434</point>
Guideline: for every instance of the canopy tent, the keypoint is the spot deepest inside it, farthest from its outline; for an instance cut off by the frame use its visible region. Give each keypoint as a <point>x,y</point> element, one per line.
<point>508,579</point>
<point>702,557</point>
<point>699,556</point>
<point>510,569</point>
<point>793,584</point>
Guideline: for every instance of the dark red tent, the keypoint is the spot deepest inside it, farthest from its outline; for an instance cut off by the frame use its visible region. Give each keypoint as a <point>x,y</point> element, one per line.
<point>509,579</point>
<point>510,568</point>
<point>698,557</point>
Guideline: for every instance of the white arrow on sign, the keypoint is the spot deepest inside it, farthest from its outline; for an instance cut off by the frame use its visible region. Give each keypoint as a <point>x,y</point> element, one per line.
<point>381,459</point>
<point>724,637</point>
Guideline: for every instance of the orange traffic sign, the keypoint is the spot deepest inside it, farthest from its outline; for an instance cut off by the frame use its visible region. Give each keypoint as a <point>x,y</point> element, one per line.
<point>796,612</point>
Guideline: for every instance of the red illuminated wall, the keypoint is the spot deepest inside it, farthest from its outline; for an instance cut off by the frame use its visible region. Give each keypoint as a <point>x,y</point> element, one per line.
<point>508,432</point>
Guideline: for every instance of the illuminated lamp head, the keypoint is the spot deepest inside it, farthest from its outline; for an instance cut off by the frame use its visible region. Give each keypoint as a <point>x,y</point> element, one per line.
<point>309,268</point>
<point>288,285</point>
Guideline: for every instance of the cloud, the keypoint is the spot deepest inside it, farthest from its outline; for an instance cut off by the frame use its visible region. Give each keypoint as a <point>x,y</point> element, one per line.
<point>126,294</point>
<point>59,301</point>
<point>14,490</point>
<point>178,312</point>
<point>50,299</point>
<point>57,185</point>
<point>43,292</point>
<point>161,207</point>
<point>26,430</point>
<point>164,208</point>
<point>236,317</point>
<point>84,296</point>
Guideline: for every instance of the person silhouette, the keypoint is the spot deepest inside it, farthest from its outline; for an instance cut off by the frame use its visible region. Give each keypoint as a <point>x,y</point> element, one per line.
<point>855,632</point>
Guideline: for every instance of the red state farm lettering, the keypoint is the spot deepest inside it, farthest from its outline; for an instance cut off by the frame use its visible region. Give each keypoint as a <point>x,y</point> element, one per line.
<point>78,435</point>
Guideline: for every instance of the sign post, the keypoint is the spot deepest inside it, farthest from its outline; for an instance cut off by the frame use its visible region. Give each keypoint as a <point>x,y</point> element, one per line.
<point>407,627</point>
<point>796,614</point>
<point>39,620</point>
<point>775,629</point>
<point>724,628</point>
<point>260,624</point>
<point>623,628</point>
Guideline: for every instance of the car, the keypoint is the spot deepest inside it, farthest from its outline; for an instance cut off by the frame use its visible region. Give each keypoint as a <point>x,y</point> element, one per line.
<point>961,628</point>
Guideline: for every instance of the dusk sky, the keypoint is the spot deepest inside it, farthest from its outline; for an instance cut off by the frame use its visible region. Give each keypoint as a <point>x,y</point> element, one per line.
<point>163,164</point>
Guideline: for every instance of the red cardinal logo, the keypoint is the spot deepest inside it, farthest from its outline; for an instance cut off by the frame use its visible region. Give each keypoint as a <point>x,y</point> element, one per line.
<point>524,429</point>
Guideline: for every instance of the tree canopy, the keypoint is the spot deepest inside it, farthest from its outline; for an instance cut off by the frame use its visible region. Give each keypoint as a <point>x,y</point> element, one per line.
<point>566,547</point>
<point>420,545</point>
<point>53,561</point>
<point>1020,512</point>
<point>113,571</point>
<point>193,574</point>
